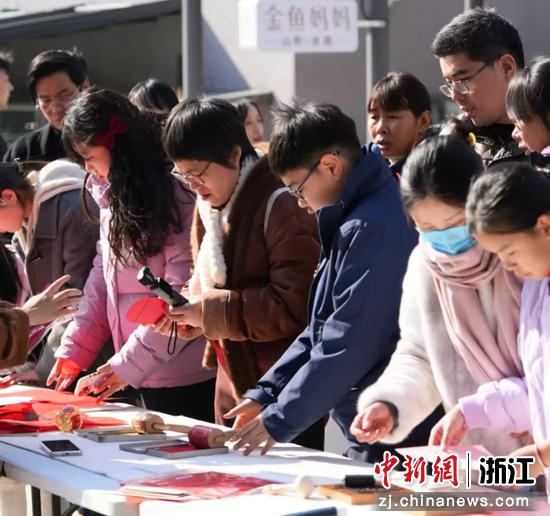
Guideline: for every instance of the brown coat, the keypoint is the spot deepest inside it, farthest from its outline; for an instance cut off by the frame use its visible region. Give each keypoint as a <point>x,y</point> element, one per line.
<point>14,333</point>
<point>263,306</point>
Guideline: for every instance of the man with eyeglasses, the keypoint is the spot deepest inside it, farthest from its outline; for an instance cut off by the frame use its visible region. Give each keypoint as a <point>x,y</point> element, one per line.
<point>479,52</point>
<point>55,78</point>
<point>352,325</point>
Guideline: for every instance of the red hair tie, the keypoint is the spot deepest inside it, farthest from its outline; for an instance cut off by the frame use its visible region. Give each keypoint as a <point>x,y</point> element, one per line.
<point>107,138</point>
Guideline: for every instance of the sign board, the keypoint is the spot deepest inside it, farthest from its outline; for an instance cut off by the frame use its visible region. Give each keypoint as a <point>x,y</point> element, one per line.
<point>298,25</point>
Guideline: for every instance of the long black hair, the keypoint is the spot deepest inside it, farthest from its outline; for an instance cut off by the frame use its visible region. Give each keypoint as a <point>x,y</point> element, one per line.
<point>143,201</point>
<point>442,167</point>
<point>507,199</point>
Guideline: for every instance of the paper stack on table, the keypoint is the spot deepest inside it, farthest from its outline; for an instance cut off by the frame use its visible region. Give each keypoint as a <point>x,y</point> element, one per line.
<point>181,486</point>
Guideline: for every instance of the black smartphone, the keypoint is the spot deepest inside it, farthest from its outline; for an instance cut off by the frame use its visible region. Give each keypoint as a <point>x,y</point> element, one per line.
<point>60,447</point>
<point>161,288</point>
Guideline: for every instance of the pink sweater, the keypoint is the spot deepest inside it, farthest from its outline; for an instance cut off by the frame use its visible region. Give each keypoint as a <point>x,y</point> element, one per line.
<point>141,356</point>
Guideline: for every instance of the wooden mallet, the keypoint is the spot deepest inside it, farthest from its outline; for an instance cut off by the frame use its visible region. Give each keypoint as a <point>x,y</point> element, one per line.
<point>303,487</point>
<point>200,436</point>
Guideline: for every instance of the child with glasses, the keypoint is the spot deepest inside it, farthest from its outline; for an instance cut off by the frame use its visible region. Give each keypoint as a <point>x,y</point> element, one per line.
<point>352,325</point>
<point>254,254</point>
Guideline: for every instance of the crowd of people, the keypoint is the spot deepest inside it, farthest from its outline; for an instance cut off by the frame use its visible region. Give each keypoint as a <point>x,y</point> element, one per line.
<point>399,287</point>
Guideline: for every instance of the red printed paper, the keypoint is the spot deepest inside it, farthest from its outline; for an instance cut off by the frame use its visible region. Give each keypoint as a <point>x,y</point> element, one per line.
<point>38,414</point>
<point>207,485</point>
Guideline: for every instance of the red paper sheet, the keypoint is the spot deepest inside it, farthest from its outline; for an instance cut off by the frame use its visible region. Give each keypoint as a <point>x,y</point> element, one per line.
<point>207,485</point>
<point>38,414</point>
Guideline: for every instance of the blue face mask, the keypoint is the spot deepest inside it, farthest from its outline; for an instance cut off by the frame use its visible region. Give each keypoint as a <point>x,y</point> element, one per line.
<point>451,241</point>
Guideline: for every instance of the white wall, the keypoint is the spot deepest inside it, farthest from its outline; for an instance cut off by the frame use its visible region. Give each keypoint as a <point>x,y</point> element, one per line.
<point>267,71</point>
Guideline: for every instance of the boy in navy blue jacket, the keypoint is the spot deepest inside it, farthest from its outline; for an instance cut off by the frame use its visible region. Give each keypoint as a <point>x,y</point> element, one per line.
<point>354,303</point>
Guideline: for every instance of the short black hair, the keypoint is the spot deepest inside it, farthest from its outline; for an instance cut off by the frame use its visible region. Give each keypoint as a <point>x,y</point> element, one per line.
<point>442,167</point>
<point>397,91</point>
<point>529,92</point>
<point>6,60</point>
<point>482,35</point>
<point>205,130</point>
<point>152,94</point>
<point>508,198</point>
<point>302,132</point>
<point>53,61</point>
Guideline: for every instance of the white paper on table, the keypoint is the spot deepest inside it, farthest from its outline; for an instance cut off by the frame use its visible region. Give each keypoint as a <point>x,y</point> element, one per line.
<point>14,400</point>
<point>431,453</point>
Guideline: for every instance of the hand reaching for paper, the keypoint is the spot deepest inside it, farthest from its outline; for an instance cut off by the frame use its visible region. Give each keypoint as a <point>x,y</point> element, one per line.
<point>103,382</point>
<point>52,303</point>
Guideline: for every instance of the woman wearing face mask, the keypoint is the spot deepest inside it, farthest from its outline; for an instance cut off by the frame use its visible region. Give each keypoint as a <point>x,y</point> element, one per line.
<point>255,250</point>
<point>145,217</point>
<point>399,114</point>
<point>460,309</point>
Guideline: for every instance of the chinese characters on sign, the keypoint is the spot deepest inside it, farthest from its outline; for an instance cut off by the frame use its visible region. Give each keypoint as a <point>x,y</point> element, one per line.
<point>299,25</point>
<point>493,471</point>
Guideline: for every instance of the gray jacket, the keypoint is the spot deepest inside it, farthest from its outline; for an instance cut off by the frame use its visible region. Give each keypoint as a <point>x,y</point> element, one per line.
<point>64,242</point>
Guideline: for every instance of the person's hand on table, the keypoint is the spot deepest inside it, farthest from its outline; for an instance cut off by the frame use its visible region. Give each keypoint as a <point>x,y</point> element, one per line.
<point>373,423</point>
<point>244,412</point>
<point>253,435</point>
<point>13,377</point>
<point>103,382</point>
<point>64,373</point>
<point>52,303</point>
<point>450,429</point>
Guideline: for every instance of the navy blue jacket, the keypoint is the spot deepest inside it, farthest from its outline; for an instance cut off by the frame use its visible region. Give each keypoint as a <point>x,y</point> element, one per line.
<point>353,308</point>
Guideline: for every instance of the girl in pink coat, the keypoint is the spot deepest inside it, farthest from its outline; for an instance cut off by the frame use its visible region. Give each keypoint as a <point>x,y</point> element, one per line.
<point>145,218</point>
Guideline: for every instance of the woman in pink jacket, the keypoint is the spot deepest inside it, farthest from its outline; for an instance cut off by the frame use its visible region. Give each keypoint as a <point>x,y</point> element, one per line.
<point>145,218</point>
<point>509,214</point>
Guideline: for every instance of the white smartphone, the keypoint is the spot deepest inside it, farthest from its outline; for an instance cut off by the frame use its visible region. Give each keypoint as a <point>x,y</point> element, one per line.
<point>60,447</point>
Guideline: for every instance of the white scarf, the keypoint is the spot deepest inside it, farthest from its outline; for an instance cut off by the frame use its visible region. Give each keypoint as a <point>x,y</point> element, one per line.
<point>210,268</point>
<point>55,178</point>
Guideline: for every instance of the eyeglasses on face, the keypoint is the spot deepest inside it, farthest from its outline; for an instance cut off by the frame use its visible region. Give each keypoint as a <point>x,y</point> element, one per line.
<point>297,191</point>
<point>61,100</point>
<point>461,87</point>
<point>189,178</point>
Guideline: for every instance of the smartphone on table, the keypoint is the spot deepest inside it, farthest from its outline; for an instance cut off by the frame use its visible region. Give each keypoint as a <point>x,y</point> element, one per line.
<point>60,447</point>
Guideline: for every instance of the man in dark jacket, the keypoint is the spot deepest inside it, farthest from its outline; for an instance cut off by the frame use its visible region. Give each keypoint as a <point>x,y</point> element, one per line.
<point>55,78</point>
<point>354,303</point>
<point>479,52</point>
